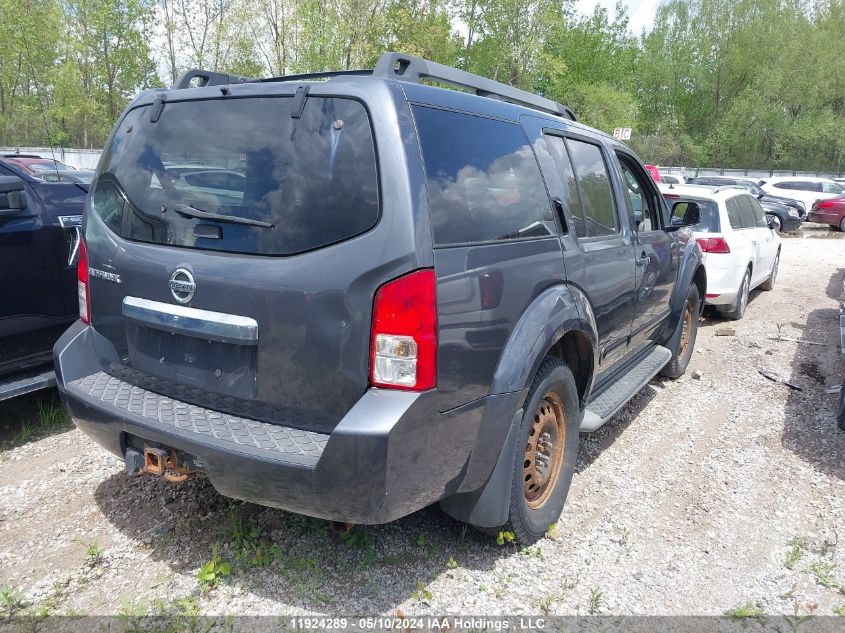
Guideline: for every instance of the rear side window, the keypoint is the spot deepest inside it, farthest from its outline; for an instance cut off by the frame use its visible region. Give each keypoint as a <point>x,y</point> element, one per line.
<point>483,180</point>
<point>741,213</point>
<point>241,175</point>
<point>751,212</point>
<point>557,149</point>
<point>594,184</point>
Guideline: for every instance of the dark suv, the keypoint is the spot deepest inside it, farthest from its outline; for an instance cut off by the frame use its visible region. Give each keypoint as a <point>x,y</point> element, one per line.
<point>39,240</point>
<point>410,295</point>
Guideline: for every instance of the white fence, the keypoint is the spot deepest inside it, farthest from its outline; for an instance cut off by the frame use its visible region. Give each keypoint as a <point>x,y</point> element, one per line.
<point>79,158</point>
<point>749,173</point>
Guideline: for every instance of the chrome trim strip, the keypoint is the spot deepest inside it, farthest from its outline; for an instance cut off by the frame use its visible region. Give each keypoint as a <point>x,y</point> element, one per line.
<point>215,326</point>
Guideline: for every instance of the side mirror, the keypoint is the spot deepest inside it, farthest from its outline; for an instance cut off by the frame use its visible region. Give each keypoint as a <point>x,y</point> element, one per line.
<point>770,221</point>
<point>12,196</point>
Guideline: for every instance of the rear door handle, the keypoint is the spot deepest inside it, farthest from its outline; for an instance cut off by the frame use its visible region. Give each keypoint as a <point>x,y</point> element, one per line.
<point>561,215</point>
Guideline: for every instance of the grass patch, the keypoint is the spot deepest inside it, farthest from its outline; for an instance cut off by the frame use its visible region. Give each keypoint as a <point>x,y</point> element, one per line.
<point>745,611</point>
<point>797,546</point>
<point>30,417</point>
<point>596,600</point>
<point>822,572</point>
<point>10,600</point>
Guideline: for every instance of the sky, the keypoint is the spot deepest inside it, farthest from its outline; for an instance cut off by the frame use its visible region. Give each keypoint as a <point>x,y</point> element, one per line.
<point>640,12</point>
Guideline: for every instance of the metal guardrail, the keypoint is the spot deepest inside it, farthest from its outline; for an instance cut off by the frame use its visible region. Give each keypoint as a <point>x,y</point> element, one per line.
<point>748,173</point>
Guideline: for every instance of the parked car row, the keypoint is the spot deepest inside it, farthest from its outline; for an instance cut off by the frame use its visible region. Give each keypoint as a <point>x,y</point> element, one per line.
<point>737,236</point>
<point>788,200</point>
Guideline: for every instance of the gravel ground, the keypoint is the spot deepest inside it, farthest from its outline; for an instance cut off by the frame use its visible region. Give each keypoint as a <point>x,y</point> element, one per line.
<point>702,496</point>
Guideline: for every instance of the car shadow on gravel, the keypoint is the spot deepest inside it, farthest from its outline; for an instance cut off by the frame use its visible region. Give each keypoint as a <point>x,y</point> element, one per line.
<point>594,444</point>
<point>810,429</point>
<point>288,558</point>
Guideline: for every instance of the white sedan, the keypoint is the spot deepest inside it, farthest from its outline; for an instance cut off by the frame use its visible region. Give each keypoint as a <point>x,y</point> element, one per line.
<point>741,251</point>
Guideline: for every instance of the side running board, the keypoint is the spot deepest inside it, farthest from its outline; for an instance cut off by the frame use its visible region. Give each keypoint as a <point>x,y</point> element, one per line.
<point>20,384</point>
<point>623,388</point>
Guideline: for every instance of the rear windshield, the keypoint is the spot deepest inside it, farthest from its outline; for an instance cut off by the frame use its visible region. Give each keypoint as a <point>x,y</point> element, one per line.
<point>241,175</point>
<point>707,209</point>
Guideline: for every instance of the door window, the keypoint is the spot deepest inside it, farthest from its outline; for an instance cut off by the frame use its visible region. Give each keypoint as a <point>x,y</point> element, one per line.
<point>735,218</point>
<point>594,185</point>
<point>643,203</point>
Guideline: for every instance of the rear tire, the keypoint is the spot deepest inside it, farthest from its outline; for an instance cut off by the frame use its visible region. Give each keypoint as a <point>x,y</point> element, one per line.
<point>769,284</point>
<point>842,225</point>
<point>682,355</point>
<point>738,310</point>
<point>545,453</point>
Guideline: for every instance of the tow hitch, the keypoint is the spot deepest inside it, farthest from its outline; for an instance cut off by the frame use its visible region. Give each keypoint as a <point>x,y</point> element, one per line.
<point>169,463</point>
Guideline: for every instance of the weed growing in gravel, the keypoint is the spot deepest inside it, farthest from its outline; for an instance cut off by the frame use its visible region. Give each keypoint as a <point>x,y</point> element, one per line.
<point>93,552</point>
<point>552,532</point>
<point>422,593</point>
<point>822,573</point>
<point>452,563</point>
<point>549,599</point>
<point>212,572</point>
<point>52,416</point>
<point>745,611</point>
<point>10,600</point>
<point>533,552</point>
<point>357,538</point>
<point>23,435</point>
<point>800,618</point>
<point>596,600</point>
<point>840,611</point>
<point>505,536</point>
<point>795,552</point>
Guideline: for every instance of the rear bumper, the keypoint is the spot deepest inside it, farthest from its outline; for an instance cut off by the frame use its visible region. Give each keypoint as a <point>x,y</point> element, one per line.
<point>824,218</point>
<point>722,282</point>
<point>392,454</point>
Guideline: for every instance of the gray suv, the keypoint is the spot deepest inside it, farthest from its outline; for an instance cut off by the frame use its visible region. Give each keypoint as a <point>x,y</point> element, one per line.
<point>371,294</point>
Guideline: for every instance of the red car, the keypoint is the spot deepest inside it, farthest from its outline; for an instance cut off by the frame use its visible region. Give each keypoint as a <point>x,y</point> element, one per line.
<point>830,211</point>
<point>32,164</point>
<point>654,171</point>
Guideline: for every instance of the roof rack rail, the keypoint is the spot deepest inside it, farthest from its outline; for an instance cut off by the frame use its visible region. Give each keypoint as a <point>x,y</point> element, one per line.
<point>207,78</point>
<point>402,68</point>
<point>416,69</point>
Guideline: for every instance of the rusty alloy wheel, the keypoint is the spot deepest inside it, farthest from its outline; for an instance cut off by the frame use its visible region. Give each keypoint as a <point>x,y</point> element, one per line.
<point>544,450</point>
<point>686,330</point>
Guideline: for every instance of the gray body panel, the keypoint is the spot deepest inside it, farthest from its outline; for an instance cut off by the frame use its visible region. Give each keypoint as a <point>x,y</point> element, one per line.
<point>304,367</point>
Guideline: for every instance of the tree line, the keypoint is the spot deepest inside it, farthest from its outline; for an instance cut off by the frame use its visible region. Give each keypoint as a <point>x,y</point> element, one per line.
<point>731,83</point>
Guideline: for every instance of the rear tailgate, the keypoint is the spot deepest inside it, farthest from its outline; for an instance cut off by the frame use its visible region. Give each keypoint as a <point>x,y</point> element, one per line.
<point>250,288</point>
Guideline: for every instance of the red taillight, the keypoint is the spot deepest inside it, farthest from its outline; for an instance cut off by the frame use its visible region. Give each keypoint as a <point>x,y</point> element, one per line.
<point>403,345</point>
<point>82,284</point>
<point>823,204</point>
<point>713,244</point>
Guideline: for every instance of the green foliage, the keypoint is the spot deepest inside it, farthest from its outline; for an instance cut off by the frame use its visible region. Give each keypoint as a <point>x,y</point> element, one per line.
<point>712,82</point>
<point>505,536</point>
<point>10,600</point>
<point>212,572</point>
<point>745,611</point>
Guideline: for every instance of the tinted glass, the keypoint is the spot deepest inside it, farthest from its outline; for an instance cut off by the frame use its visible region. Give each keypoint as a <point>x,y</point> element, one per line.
<point>749,212</point>
<point>307,182</point>
<point>482,177</point>
<point>831,187</point>
<point>759,213</point>
<point>641,198</point>
<point>708,213</point>
<point>734,213</point>
<point>557,148</point>
<point>594,184</point>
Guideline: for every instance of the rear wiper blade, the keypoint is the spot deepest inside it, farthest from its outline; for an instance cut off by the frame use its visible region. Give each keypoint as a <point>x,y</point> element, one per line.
<point>188,211</point>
